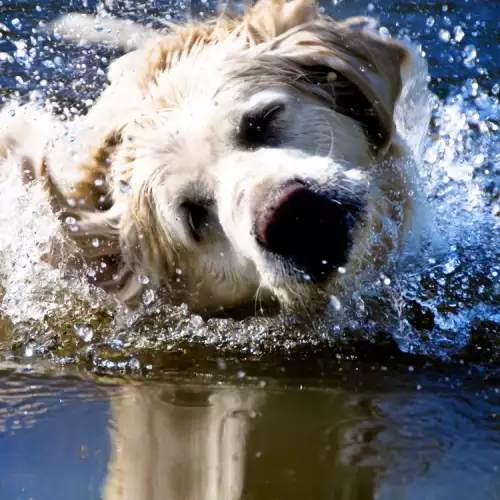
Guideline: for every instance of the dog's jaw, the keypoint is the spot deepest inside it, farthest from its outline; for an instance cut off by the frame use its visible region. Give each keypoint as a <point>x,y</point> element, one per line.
<point>243,193</point>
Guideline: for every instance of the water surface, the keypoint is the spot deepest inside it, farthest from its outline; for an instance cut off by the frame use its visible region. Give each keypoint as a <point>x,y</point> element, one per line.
<point>389,435</point>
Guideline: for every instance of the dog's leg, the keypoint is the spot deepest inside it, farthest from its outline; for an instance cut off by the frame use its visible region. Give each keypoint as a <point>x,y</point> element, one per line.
<point>24,132</point>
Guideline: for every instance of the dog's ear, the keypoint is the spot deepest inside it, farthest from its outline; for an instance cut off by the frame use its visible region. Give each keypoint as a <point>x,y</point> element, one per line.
<point>268,19</point>
<point>349,65</point>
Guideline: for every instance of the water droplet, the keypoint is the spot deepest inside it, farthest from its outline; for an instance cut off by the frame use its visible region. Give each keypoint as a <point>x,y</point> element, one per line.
<point>335,303</point>
<point>241,374</point>
<point>99,182</point>
<point>384,32</point>
<point>387,281</point>
<point>470,54</point>
<point>458,33</point>
<point>134,364</point>
<point>482,101</point>
<point>341,270</point>
<point>124,187</point>
<point>16,23</point>
<point>178,271</point>
<point>85,332</point>
<point>95,242</point>
<point>444,35</point>
<point>430,22</point>
<point>144,280</point>
<point>12,112</point>
<point>148,297</point>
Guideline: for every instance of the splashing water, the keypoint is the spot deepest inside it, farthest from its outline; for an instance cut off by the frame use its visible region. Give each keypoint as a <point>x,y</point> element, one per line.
<point>31,288</point>
<point>460,288</point>
<point>27,225</point>
<point>437,304</point>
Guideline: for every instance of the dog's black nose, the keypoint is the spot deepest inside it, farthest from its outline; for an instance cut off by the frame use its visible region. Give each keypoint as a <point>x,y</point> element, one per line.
<point>310,229</point>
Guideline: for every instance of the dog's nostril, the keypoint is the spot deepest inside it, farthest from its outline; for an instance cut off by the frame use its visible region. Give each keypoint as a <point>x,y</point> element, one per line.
<point>196,217</point>
<point>310,230</point>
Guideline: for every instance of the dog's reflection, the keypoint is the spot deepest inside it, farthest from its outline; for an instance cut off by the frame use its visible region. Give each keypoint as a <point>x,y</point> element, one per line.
<point>185,444</point>
<point>195,443</point>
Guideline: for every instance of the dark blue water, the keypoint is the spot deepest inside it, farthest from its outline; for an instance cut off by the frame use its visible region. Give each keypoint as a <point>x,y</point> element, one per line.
<point>455,298</point>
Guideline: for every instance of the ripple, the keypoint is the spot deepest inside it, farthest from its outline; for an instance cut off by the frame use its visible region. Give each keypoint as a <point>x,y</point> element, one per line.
<point>26,398</point>
<point>446,296</point>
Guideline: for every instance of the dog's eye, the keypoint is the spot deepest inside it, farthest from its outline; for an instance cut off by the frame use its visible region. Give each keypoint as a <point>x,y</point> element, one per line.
<point>196,218</point>
<point>259,127</point>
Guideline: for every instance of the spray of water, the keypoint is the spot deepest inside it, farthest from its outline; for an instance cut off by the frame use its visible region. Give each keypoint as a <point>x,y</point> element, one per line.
<point>441,297</point>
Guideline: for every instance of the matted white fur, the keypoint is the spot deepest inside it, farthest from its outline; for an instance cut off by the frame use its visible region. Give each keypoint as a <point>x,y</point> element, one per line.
<point>167,134</point>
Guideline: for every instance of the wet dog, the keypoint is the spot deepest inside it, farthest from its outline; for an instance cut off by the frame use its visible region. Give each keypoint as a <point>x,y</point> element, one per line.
<point>252,158</point>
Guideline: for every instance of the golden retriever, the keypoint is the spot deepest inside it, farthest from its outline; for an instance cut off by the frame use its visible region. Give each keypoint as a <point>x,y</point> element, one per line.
<point>246,158</point>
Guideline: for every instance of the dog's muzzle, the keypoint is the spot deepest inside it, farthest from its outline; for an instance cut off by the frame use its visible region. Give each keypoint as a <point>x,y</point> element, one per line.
<point>310,230</point>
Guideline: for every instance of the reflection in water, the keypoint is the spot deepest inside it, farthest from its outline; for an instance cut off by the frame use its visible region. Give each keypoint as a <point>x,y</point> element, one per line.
<point>182,442</point>
<point>191,444</point>
<point>442,304</point>
<point>178,443</point>
<point>306,445</point>
<point>395,437</point>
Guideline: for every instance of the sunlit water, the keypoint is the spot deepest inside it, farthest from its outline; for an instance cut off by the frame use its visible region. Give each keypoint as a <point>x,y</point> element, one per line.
<point>404,406</point>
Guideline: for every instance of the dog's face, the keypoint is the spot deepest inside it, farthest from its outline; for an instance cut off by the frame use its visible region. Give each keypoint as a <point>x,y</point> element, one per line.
<point>261,175</point>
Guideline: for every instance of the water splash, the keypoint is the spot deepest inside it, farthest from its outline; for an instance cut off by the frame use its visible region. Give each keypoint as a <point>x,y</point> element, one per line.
<point>32,290</point>
<point>450,293</point>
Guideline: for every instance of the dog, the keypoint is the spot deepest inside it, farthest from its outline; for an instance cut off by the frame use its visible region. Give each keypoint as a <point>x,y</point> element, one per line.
<point>254,159</point>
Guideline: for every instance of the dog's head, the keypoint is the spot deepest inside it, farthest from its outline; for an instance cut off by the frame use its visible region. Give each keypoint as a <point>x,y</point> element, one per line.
<point>261,166</point>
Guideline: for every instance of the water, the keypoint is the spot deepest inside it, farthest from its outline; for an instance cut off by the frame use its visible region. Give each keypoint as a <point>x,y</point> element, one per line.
<point>388,435</point>
<point>404,407</point>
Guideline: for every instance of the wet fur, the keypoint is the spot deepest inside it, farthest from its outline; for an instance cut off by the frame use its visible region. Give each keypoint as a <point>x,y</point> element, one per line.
<point>161,132</point>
